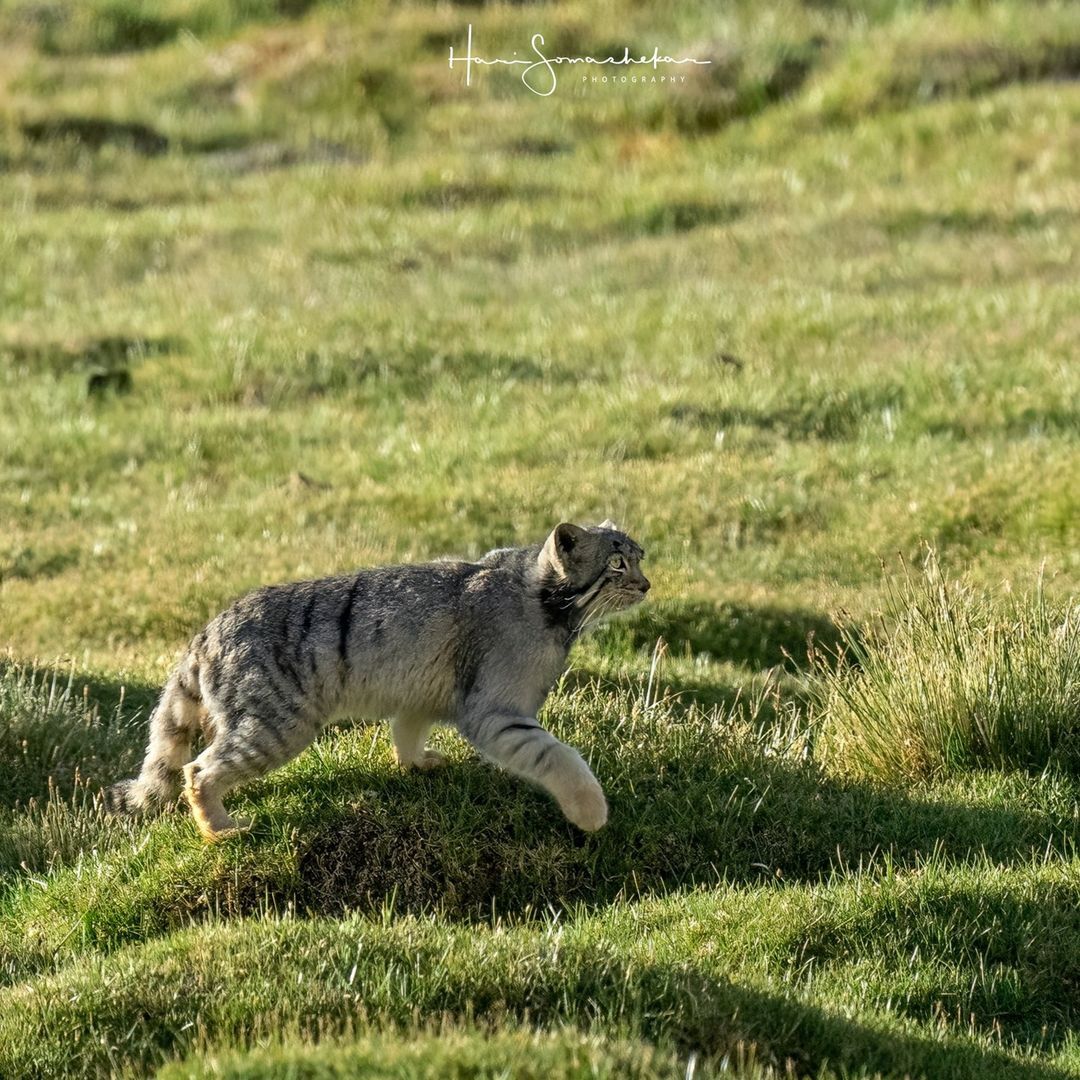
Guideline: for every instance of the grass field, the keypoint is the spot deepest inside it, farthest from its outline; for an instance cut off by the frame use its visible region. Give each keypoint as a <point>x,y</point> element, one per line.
<point>281,296</point>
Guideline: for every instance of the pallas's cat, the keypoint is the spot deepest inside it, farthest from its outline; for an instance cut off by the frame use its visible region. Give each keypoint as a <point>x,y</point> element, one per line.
<point>477,645</point>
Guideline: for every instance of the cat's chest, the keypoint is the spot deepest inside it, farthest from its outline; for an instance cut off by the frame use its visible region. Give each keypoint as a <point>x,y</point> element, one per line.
<point>532,676</point>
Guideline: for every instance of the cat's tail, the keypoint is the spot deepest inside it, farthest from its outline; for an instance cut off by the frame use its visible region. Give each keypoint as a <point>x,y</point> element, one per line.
<point>173,725</point>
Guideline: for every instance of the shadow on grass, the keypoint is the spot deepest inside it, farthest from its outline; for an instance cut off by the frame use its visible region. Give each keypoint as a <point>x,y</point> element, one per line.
<point>757,636</point>
<point>801,1038</point>
<point>971,927</point>
<point>679,217</point>
<point>401,372</point>
<point>144,1017</point>
<point>470,848</point>
<point>683,688</point>
<point>95,132</point>
<point>834,415</point>
<point>914,220</point>
<point>98,359</point>
<point>508,849</point>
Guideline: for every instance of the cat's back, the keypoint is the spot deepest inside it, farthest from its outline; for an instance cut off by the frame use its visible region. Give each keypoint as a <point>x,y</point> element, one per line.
<point>386,608</point>
<point>405,596</point>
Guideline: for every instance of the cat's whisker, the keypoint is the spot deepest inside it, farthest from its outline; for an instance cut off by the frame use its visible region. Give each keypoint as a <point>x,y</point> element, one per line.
<point>588,596</point>
<point>599,608</point>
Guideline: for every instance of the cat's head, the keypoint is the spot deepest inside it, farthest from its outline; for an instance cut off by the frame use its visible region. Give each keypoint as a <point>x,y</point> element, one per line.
<point>597,568</point>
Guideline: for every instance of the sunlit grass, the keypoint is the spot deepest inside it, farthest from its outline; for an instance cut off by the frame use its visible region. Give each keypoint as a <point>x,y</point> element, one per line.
<point>951,680</point>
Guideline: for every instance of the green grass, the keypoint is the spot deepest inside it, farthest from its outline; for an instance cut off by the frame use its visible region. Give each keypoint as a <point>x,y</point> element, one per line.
<point>446,1051</point>
<point>281,296</point>
<point>952,681</point>
<point>708,971</point>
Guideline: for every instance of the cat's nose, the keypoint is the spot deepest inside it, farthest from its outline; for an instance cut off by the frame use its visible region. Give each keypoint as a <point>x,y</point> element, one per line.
<point>645,585</point>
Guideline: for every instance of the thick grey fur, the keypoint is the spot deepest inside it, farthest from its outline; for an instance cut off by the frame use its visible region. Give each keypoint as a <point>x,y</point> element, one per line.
<point>474,644</point>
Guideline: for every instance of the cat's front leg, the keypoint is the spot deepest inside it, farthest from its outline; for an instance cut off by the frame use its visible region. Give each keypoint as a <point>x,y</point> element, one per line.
<point>521,746</point>
<point>410,742</point>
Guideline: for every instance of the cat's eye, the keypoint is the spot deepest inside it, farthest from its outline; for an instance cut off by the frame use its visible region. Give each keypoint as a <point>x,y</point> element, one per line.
<point>617,562</point>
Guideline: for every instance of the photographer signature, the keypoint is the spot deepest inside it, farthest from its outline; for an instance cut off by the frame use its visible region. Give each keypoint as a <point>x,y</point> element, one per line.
<point>539,75</point>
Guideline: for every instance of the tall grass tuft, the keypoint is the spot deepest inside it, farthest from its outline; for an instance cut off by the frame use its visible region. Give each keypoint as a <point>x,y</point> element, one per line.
<point>952,679</point>
<point>51,734</point>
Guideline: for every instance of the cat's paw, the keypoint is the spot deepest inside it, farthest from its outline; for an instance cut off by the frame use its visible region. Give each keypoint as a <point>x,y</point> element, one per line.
<point>236,827</point>
<point>586,808</point>
<point>432,759</point>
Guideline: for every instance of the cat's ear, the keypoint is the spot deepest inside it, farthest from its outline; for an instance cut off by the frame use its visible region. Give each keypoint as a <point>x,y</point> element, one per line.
<point>607,523</point>
<point>559,549</point>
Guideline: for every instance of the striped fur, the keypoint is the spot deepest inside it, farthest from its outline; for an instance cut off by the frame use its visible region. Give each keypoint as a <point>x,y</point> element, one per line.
<point>476,645</point>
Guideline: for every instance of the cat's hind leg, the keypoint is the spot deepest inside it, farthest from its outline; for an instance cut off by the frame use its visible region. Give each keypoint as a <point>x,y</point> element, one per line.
<point>203,789</point>
<point>410,743</point>
<point>238,753</point>
<point>522,747</point>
